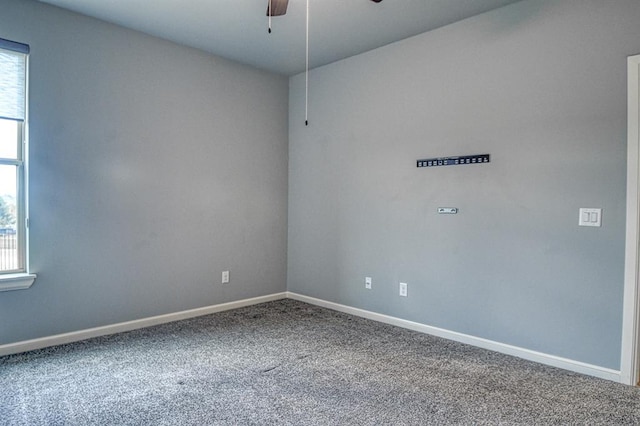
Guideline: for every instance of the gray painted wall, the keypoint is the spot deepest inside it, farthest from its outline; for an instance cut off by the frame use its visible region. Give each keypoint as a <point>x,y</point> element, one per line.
<point>541,86</point>
<point>154,168</point>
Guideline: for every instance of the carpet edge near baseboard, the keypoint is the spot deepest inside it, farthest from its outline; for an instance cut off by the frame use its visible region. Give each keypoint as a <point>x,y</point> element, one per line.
<point>530,355</point>
<point>76,336</point>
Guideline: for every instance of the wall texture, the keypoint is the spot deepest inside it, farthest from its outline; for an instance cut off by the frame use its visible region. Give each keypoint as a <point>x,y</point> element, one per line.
<point>541,86</point>
<point>153,168</point>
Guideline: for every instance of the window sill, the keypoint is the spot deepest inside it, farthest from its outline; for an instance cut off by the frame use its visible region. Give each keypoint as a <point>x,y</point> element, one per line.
<point>16,281</point>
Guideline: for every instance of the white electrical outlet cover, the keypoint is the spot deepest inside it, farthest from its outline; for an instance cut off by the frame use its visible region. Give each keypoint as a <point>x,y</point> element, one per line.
<point>403,289</point>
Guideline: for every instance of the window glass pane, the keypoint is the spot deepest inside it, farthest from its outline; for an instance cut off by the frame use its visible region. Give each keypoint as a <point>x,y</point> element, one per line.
<point>9,139</point>
<point>9,257</point>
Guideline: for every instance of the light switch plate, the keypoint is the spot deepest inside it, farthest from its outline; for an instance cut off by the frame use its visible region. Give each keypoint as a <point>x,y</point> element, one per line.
<point>590,217</point>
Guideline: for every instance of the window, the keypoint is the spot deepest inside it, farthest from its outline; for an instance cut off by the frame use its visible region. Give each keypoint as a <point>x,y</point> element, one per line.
<point>13,162</point>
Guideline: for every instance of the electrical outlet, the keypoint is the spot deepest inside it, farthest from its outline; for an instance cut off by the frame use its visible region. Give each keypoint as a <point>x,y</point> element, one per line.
<point>225,277</point>
<point>403,289</point>
<point>367,283</point>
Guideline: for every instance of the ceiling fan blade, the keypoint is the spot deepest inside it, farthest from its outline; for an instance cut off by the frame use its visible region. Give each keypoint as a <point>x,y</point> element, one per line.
<point>279,7</point>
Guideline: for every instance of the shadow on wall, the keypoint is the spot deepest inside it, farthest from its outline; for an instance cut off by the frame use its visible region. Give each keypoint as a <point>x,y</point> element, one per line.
<point>515,17</point>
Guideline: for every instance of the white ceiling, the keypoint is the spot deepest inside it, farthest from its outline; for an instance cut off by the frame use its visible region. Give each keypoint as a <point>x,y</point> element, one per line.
<point>237,29</point>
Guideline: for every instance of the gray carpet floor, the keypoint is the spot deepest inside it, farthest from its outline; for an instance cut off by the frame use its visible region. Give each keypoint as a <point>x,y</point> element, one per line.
<point>290,363</point>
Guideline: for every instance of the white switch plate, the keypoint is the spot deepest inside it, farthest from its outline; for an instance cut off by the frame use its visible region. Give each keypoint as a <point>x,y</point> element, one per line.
<point>590,217</point>
<point>403,289</point>
<point>367,283</point>
<point>225,277</point>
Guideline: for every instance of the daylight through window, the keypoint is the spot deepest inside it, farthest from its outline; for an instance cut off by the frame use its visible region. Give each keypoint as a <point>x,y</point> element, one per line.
<point>13,90</point>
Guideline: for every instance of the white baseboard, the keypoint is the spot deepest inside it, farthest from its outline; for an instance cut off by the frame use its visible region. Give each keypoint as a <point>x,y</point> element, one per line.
<point>60,339</point>
<point>555,361</point>
<point>542,358</point>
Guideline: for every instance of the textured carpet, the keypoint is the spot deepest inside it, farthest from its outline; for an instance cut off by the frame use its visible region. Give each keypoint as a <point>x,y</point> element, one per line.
<point>287,362</point>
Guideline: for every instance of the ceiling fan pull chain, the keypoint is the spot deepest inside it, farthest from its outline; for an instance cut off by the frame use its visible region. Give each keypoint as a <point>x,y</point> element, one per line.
<point>270,13</point>
<point>306,88</point>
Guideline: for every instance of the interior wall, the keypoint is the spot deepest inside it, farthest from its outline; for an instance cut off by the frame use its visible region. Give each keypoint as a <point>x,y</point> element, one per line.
<point>539,85</point>
<point>154,167</point>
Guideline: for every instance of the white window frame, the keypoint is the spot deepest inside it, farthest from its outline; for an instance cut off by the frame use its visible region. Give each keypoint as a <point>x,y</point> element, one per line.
<point>21,278</point>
